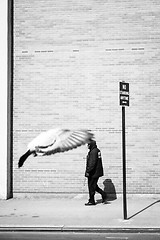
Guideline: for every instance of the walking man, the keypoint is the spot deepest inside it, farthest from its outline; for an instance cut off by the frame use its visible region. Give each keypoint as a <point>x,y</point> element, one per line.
<point>94,170</point>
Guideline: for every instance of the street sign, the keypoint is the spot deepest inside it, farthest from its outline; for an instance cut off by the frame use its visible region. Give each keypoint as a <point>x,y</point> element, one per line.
<point>124,87</point>
<point>124,100</point>
<point>124,93</point>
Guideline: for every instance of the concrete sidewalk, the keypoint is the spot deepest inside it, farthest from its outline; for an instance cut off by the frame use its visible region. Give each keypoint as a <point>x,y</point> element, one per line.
<point>68,213</point>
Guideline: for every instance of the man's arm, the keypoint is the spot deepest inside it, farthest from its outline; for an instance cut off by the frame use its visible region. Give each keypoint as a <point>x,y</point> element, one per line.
<point>93,160</point>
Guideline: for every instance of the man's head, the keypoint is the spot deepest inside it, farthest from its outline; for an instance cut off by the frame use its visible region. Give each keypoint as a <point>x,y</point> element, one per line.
<point>91,144</point>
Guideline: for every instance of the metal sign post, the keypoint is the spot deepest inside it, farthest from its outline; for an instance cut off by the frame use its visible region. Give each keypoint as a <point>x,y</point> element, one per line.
<point>124,101</point>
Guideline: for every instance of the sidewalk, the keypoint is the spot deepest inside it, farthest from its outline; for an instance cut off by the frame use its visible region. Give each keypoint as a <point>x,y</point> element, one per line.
<point>68,213</point>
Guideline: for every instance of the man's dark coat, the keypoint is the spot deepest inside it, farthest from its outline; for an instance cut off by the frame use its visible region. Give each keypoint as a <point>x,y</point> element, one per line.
<point>94,166</point>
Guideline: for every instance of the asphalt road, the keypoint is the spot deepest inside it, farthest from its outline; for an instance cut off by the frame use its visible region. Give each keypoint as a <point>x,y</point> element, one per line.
<point>77,236</point>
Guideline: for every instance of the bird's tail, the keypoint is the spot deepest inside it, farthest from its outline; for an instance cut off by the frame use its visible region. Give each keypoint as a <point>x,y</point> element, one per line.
<point>23,158</point>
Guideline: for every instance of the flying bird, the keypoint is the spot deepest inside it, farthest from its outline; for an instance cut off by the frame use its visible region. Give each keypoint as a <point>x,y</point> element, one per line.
<point>54,141</point>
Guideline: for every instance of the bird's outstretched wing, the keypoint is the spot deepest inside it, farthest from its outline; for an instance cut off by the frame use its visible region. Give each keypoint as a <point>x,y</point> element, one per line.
<point>54,141</point>
<point>65,140</point>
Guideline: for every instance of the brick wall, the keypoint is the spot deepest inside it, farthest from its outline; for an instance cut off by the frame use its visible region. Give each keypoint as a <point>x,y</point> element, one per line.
<point>69,59</point>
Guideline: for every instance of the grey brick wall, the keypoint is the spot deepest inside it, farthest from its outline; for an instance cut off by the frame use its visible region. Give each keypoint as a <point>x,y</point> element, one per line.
<point>69,59</point>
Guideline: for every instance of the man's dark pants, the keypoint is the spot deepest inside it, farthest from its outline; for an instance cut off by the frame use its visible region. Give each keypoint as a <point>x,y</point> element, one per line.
<point>93,187</point>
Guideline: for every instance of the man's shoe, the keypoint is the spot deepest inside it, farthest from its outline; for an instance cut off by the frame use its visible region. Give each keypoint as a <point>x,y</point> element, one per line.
<point>90,204</point>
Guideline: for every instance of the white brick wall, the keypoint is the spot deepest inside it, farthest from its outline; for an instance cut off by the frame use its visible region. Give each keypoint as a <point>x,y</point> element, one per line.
<point>69,59</point>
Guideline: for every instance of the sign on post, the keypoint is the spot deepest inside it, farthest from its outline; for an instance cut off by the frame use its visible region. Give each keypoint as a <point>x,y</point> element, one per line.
<point>124,93</point>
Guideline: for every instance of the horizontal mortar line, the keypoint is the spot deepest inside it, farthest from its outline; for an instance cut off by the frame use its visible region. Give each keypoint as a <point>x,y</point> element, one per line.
<point>131,39</point>
<point>77,50</point>
<point>39,51</point>
<point>137,49</point>
<point>115,49</point>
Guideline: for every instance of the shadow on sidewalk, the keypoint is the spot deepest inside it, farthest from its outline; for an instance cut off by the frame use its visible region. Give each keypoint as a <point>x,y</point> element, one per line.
<point>110,191</point>
<point>143,209</point>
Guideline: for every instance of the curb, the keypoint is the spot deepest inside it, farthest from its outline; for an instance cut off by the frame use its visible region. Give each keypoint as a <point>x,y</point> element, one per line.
<point>77,229</point>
